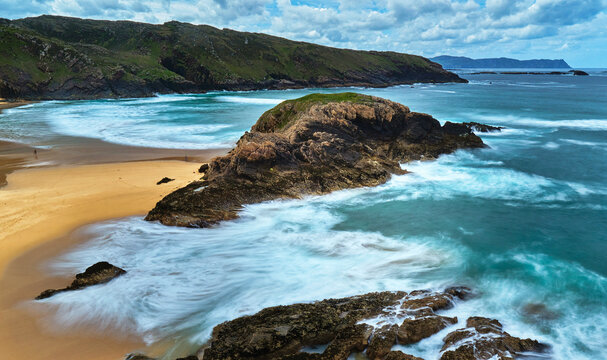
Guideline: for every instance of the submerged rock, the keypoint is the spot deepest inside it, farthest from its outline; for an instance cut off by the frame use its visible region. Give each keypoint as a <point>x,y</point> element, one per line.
<point>579,72</point>
<point>312,145</point>
<point>474,126</point>
<point>98,273</point>
<point>484,339</point>
<point>282,332</point>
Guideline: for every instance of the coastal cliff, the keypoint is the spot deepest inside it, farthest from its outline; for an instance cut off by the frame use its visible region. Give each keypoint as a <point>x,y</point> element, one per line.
<point>312,145</point>
<point>53,57</point>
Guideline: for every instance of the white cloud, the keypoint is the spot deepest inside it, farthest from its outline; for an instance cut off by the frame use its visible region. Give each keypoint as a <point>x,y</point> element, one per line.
<point>524,28</point>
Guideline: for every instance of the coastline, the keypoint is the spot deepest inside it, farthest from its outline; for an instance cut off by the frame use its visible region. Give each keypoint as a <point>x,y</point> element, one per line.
<point>6,104</point>
<point>45,200</point>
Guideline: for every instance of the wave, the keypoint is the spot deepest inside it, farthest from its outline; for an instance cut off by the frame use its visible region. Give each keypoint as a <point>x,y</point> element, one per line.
<point>249,100</point>
<point>277,253</point>
<point>579,124</point>
<point>465,175</point>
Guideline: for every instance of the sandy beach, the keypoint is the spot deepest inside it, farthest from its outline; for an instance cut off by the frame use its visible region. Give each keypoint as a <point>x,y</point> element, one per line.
<point>45,196</point>
<point>5,104</point>
<point>39,205</point>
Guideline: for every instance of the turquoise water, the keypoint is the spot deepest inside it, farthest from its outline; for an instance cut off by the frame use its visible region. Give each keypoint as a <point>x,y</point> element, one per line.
<point>523,223</point>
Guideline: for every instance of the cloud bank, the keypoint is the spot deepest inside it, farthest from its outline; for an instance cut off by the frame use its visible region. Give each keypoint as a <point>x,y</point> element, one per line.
<point>575,30</point>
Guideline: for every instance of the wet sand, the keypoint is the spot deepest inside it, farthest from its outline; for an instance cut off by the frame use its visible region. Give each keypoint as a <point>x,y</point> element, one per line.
<point>5,104</point>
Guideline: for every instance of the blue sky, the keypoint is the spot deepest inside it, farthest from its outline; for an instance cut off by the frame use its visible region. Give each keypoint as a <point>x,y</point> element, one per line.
<point>574,30</point>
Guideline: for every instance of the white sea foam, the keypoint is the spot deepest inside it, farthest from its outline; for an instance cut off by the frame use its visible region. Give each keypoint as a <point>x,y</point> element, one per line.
<point>550,145</point>
<point>594,144</point>
<point>464,175</point>
<point>250,100</point>
<point>277,253</point>
<point>582,124</point>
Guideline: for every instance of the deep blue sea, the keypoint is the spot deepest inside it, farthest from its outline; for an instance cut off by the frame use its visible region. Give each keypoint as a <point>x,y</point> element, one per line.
<point>523,223</point>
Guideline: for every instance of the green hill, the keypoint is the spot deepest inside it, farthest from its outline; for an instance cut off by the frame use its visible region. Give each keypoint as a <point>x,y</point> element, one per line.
<point>52,57</point>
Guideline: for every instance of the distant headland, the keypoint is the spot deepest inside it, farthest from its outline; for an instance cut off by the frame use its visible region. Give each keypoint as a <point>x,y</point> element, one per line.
<point>461,62</point>
<point>54,57</point>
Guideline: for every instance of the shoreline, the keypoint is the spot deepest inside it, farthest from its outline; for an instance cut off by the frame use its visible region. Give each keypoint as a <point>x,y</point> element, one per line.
<point>8,104</point>
<point>44,203</point>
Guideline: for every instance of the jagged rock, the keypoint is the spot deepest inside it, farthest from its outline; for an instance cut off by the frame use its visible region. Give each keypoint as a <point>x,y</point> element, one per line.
<point>312,145</point>
<point>164,180</point>
<point>484,339</point>
<point>281,332</point>
<point>414,330</point>
<point>98,273</point>
<point>399,355</point>
<point>382,341</point>
<point>474,126</point>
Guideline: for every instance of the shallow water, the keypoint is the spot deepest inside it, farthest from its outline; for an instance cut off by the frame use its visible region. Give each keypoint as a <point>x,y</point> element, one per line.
<point>523,223</point>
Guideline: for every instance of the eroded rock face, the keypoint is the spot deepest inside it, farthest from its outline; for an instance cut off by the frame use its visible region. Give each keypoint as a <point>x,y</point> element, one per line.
<point>98,273</point>
<point>344,324</point>
<point>312,145</point>
<point>484,339</point>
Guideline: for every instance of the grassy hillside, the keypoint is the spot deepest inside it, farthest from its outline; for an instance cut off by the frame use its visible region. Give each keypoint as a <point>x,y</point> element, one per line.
<point>60,57</point>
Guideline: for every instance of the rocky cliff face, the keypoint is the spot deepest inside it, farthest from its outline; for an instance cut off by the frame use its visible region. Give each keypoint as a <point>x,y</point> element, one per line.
<point>312,145</point>
<point>53,57</point>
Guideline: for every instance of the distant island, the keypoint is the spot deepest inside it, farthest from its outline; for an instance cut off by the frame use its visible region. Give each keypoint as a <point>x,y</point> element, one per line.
<point>461,62</point>
<point>54,57</point>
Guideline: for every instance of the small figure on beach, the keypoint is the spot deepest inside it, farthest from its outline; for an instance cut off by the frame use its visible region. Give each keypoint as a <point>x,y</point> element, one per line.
<point>36,154</point>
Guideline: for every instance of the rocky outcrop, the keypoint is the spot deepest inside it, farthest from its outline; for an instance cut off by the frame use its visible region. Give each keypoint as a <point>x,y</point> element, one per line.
<point>312,145</point>
<point>98,273</point>
<point>368,325</point>
<point>579,73</point>
<point>343,325</point>
<point>478,127</point>
<point>484,339</point>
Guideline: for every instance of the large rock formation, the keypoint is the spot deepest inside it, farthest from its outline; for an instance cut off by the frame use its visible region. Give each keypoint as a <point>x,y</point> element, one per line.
<point>369,325</point>
<point>343,325</point>
<point>312,145</point>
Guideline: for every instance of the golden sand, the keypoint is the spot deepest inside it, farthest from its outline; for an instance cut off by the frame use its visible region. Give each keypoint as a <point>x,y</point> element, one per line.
<point>39,205</point>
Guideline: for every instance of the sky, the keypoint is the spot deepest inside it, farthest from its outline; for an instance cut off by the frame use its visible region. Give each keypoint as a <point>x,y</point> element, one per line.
<point>573,30</point>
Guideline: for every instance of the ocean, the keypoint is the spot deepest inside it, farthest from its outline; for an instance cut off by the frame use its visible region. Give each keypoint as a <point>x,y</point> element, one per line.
<point>523,222</point>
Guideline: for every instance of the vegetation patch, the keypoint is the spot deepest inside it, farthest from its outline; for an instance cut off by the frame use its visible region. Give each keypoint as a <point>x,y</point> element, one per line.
<point>282,114</point>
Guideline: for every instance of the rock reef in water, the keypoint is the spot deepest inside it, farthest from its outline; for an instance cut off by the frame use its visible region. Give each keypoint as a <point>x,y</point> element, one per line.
<point>98,273</point>
<point>474,126</point>
<point>312,145</point>
<point>369,324</point>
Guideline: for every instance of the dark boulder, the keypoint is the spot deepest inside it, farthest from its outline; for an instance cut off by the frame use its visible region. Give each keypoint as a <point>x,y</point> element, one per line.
<point>98,273</point>
<point>164,180</point>
<point>203,168</point>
